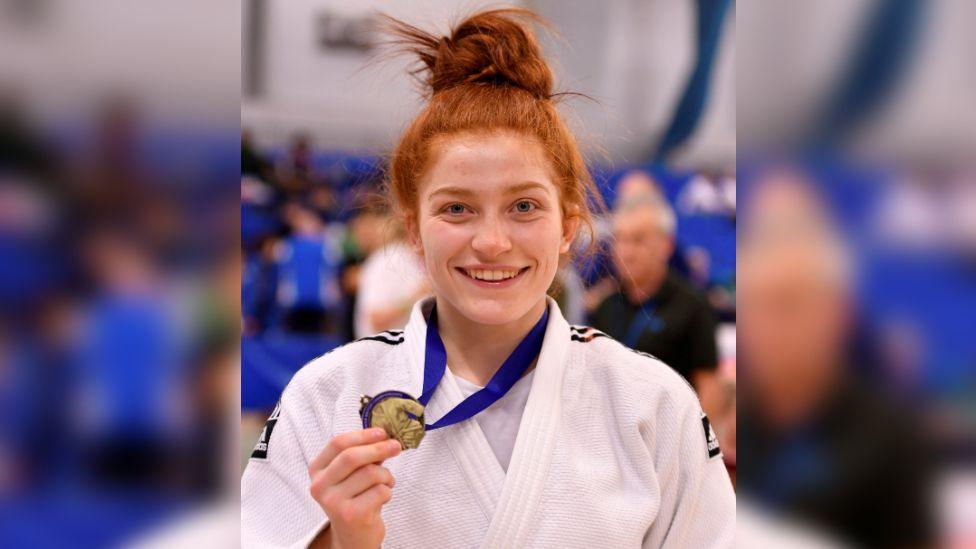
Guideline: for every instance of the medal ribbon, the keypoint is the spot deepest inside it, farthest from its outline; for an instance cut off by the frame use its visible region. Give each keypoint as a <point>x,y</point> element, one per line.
<point>435,364</point>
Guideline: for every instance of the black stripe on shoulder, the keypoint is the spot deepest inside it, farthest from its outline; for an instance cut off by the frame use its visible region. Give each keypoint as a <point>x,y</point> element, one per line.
<point>382,340</point>
<point>585,334</point>
<point>390,337</point>
<point>642,353</point>
<point>588,338</point>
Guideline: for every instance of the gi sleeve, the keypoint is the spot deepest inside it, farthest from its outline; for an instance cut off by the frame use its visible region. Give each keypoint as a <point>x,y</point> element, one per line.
<point>277,509</point>
<point>697,500</point>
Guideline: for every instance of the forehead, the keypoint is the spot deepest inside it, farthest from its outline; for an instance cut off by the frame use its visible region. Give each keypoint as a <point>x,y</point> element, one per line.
<point>781,270</point>
<point>486,162</point>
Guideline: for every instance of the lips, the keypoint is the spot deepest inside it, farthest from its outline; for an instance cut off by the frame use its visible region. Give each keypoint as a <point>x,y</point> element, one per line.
<point>493,277</point>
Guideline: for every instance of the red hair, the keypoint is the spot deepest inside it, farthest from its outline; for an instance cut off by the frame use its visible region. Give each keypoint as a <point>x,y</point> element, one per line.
<point>488,75</point>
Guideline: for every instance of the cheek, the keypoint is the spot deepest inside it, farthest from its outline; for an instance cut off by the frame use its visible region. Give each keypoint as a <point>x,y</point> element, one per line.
<point>442,240</point>
<point>623,252</point>
<point>544,241</point>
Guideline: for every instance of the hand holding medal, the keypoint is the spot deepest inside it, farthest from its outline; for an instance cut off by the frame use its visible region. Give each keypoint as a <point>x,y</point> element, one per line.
<point>351,485</point>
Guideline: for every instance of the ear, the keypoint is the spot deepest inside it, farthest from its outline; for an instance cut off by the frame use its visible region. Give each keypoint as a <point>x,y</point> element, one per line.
<point>413,233</point>
<point>570,227</point>
<point>668,246</point>
<point>661,247</point>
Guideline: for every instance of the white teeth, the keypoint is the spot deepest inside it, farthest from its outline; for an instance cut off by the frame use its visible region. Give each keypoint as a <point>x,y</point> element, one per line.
<point>490,275</point>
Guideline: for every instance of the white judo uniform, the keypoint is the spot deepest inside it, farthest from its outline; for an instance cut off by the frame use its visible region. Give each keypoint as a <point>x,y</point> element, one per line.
<point>612,451</point>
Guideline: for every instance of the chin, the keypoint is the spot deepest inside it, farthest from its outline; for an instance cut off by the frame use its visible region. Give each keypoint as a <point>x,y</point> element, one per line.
<point>494,312</point>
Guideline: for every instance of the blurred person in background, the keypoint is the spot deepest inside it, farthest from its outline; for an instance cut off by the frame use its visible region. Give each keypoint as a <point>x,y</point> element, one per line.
<point>252,161</point>
<point>308,262</point>
<point>818,443</point>
<point>654,310</point>
<point>392,279</point>
<point>569,292</point>
<point>364,235</point>
<point>259,279</point>
<point>125,384</point>
<point>295,174</point>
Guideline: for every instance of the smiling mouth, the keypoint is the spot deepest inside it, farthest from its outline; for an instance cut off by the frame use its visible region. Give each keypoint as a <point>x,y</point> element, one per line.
<point>492,275</point>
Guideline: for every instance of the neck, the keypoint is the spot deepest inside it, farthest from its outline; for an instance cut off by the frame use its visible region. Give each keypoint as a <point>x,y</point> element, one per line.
<point>639,291</point>
<point>476,351</point>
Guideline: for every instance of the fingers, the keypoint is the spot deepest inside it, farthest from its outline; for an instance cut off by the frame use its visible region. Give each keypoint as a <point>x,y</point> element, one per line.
<point>370,501</point>
<point>363,479</point>
<point>353,458</point>
<point>342,442</point>
<point>361,510</point>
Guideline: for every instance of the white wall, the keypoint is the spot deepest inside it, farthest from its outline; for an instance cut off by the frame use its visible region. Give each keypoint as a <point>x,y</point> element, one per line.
<point>345,99</point>
<point>632,56</point>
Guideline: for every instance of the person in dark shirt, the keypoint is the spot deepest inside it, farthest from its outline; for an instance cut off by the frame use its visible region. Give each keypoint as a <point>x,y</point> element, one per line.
<point>654,311</point>
<point>815,443</point>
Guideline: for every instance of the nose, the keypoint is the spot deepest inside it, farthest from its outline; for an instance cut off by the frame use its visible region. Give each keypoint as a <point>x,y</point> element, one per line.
<point>491,238</point>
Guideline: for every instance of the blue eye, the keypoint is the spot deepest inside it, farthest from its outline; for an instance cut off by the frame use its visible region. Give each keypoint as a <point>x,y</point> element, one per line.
<point>524,206</point>
<point>455,209</point>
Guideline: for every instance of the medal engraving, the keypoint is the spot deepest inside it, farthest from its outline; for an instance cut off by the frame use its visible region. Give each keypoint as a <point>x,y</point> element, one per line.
<point>399,414</point>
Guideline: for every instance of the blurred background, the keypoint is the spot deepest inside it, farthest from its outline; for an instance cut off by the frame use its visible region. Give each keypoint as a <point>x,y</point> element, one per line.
<point>847,127</point>
<point>856,422</point>
<point>119,268</point>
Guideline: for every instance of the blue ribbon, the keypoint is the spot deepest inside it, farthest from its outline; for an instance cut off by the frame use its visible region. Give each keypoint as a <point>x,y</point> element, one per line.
<point>435,364</point>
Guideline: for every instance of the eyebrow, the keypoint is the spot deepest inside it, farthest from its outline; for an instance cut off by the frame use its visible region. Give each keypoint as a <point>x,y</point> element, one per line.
<point>517,188</point>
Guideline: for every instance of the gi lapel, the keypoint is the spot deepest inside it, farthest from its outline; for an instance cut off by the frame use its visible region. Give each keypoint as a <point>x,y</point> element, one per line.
<point>528,470</point>
<point>467,442</point>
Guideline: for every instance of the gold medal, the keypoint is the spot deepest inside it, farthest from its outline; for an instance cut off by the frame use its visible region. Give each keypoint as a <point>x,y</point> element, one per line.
<point>399,414</point>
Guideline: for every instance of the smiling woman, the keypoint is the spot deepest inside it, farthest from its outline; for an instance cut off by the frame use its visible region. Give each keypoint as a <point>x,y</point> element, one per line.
<point>491,229</point>
<point>537,433</point>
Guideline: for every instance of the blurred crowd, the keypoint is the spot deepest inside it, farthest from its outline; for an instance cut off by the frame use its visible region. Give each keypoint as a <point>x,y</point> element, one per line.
<point>118,325</point>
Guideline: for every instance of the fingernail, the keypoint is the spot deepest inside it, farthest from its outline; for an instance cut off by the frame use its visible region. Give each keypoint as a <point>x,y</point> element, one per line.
<point>394,445</point>
<point>377,432</point>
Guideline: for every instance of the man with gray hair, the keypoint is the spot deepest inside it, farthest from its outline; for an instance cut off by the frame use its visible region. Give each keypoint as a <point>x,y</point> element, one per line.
<point>654,310</point>
<point>820,441</point>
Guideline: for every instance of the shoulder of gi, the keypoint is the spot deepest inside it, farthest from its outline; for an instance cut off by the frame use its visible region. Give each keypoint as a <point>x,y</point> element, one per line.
<point>646,375</point>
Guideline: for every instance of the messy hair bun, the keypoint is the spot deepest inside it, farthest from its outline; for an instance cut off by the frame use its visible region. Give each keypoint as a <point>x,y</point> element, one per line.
<point>487,75</point>
<point>495,48</point>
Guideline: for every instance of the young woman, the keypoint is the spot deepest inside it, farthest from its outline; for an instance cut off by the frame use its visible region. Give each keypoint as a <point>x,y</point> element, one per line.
<point>539,434</point>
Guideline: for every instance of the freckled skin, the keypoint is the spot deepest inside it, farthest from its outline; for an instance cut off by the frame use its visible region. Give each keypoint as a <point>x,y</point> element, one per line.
<point>492,224</point>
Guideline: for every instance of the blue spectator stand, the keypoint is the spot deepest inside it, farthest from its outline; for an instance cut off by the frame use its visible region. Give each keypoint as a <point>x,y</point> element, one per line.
<point>84,518</point>
<point>270,360</point>
<point>257,222</point>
